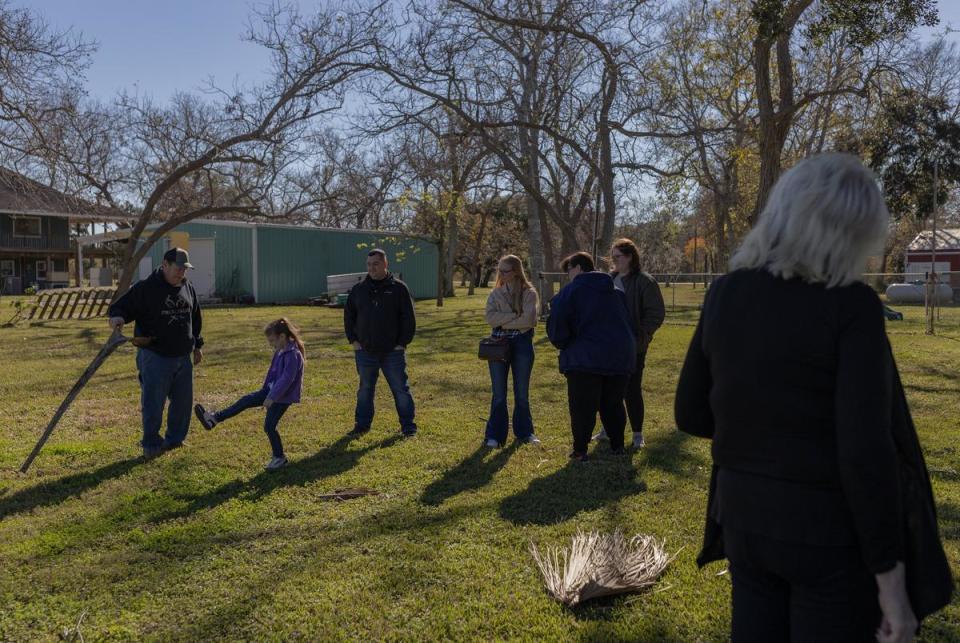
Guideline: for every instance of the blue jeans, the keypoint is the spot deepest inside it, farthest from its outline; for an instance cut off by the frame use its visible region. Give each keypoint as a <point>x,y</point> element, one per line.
<point>521,363</point>
<point>161,378</point>
<point>270,422</point>
<point>394,367</point>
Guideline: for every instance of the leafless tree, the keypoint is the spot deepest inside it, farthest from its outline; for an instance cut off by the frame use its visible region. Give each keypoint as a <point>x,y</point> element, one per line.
<point>41,74</point>
<point>235,151</point>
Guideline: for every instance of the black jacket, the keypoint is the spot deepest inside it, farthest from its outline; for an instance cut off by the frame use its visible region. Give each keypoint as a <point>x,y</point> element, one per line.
<point>929,579</point>
<point>380,315</point>
<point>645,303</point>
<point>170,315</point>
<point>793,382</point>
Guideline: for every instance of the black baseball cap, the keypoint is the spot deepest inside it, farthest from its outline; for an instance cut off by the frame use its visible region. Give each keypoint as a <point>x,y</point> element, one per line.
<point>178,256</point>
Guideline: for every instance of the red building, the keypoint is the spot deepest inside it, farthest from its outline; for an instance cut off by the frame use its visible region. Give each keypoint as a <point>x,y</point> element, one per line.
<point>919,256</point>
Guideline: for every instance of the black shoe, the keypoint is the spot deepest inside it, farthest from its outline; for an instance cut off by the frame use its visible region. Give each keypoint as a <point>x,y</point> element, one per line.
<point>358,431</point>
<point>170,447</point>
<point>408,433</point>
<point>149,453</point>
<point>206,418</point>
<point>579,457</point>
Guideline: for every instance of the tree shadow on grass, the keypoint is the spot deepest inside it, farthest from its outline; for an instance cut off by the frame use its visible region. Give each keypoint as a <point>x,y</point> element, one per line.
<point>228,616</point>
<point>471,473</point>
<point>92,337</point>
<point>578,486</point>
<point>917,388</point>
<point>669,454</point>
<point>330,461</point>
<point>941,373</point>
<point>61,489</point>
<point>600,616</point>
<point>948,515</point>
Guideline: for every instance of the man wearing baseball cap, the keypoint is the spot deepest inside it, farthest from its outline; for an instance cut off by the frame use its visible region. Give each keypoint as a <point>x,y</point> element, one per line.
<point>166,311</point>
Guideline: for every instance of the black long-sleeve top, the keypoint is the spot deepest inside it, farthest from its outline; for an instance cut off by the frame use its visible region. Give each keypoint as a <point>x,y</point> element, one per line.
<point>792,382</point>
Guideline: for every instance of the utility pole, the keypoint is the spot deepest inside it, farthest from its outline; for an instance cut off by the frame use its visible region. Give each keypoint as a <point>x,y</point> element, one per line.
<point>932,275</point>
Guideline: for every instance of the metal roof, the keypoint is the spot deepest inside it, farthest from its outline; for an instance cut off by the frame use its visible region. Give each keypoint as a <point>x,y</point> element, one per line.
<point>947,240</point>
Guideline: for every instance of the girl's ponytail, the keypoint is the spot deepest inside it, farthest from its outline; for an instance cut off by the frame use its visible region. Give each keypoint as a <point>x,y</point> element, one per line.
<point>285,327</point>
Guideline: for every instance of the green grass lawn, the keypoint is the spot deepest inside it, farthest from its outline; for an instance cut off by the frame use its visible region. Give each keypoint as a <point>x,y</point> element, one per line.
<point>203,544</point>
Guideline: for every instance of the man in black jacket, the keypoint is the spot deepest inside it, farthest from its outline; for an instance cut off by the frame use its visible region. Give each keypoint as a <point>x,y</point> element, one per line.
<point>379,321</point>
<point>168,323</point>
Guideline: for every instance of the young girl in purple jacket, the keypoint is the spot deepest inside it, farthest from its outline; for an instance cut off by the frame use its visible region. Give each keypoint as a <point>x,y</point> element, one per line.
<point>281,387</point>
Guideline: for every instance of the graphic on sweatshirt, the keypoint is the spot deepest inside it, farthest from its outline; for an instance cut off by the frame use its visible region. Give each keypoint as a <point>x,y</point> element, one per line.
<point>175,309</point>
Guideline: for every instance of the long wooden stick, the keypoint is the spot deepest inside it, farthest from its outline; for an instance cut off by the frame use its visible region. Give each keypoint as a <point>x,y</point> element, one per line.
<point>116,339</point>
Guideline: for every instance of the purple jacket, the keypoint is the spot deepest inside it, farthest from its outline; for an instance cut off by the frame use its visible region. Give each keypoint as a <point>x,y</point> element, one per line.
<point>285,377</point>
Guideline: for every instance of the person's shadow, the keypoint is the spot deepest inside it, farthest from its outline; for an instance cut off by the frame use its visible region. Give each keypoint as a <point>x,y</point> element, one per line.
<point>56,491</point>
<point>328,462</point>
<point>578,486</point>
<point>472,473</point>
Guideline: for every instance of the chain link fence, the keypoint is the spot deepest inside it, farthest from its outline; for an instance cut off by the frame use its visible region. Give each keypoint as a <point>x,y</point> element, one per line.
<point>905,295</point>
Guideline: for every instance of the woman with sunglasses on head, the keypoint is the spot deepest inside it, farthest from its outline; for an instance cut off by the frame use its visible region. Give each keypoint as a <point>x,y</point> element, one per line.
<point>512,313</point>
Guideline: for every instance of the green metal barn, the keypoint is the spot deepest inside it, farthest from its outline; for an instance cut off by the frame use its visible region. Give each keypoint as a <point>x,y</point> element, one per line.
<point>286,263</point>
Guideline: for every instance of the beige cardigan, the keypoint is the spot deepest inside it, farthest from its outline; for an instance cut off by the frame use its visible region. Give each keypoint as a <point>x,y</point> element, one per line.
<point>499,313</point>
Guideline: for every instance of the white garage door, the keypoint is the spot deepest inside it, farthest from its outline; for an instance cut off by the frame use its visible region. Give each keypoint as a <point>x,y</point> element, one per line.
<point>146,268</point>
<point>203,275</point>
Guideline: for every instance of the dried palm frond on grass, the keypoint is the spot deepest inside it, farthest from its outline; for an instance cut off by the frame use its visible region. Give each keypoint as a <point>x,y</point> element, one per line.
<point>601,565</point>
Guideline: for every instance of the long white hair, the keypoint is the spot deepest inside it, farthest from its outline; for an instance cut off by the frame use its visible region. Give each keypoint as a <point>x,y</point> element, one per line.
<point>823,219</point>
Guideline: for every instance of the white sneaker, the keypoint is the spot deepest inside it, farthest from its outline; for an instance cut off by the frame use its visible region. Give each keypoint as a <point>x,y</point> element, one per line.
<point>532,439</point>
<point>638,442</point>
<point>276,463</point>
<point>493,444</point>
<point>602,435</point>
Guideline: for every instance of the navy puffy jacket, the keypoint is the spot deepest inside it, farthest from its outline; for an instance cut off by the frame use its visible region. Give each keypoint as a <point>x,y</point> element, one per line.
<point>590,325</point>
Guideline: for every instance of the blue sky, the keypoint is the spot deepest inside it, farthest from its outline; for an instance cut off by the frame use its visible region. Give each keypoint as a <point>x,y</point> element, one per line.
<point>157,48</point>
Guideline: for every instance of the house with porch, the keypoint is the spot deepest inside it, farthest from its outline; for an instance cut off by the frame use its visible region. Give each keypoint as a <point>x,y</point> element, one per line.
<point>37,226</point>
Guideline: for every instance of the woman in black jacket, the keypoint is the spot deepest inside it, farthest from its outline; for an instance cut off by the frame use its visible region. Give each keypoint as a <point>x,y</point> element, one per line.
<point>790,375</point>
<point>647,313</point>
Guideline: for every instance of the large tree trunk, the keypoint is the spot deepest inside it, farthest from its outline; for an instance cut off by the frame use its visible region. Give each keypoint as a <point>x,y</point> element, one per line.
<point>441,269</point>
<point>774,121</point>
<point>452,248</point>
<point>478,264</point>
<point>773,136</point>
<point>721,211</point>
<point>441,250</point>
<point>606,162</point>
<point>530,151</point>
<point>569,241</point>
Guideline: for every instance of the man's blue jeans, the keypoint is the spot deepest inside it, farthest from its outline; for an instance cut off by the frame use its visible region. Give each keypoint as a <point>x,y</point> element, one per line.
<point>394,367</point>
<point>521,364</point>
<point>162,378</point>
<point>270,421</point>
